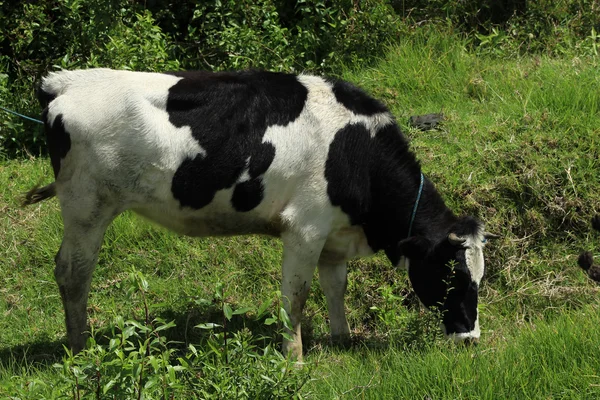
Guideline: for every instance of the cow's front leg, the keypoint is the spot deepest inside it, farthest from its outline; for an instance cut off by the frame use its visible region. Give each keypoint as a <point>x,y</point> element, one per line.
<point>333,280</point>
<point>299,263</point>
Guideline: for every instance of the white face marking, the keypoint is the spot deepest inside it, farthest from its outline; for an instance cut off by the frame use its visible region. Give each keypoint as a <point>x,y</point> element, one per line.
<point>474,257</point>
<point>245,176</point>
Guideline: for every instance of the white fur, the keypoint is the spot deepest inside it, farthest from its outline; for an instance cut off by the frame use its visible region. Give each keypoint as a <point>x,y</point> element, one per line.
<point>474,256</point>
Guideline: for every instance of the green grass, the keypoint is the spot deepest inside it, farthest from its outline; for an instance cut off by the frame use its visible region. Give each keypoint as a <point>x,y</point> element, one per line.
<point>520,148</point>
<point>539,361</point>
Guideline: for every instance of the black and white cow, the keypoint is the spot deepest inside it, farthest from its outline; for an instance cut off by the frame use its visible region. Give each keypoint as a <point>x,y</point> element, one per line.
<point>314,161</point>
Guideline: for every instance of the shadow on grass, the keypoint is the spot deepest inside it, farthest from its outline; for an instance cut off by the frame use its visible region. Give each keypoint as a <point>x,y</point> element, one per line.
<point>185,332</point>
<point>45,353</point>
<point>39,354</point>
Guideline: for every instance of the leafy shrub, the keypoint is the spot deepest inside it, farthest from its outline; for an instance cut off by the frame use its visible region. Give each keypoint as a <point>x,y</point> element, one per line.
<point>509,28</point>
<point>70,34</point>
<point>138,361</point>
<point>277,34</point>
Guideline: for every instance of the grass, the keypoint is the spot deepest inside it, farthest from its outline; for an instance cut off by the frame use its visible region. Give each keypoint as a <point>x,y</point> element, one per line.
<point>543,360</point>
<point>520,148</point>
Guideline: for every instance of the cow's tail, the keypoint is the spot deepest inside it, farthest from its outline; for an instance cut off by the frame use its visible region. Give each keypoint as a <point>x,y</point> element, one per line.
<point>37,194</point>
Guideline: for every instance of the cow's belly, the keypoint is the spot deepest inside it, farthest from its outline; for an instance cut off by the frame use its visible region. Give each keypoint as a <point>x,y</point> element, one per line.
<point>219,217</point>
<point>202,223</point>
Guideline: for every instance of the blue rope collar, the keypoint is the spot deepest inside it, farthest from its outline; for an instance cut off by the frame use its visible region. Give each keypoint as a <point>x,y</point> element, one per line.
<point>416,206</point>
<point>21,115</point>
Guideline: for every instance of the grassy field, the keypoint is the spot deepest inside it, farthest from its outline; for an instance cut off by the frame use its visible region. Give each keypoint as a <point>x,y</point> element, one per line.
<point>520,148</point>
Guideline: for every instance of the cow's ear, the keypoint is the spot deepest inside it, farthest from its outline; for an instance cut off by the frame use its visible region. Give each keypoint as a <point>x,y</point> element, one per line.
<point>415,247</point>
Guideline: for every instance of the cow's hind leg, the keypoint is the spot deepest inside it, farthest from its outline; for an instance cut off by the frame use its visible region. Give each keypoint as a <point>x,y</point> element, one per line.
<point>85,221</point>
<point>333,280</point>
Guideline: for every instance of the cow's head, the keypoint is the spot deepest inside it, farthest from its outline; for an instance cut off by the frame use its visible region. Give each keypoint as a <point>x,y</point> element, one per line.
<point>446,275</point>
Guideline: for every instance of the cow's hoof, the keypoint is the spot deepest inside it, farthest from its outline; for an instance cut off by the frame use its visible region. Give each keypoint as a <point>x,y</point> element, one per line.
<point>341,341</point>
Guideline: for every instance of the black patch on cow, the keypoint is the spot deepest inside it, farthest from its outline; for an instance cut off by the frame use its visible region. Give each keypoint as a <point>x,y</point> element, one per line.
<point>229,114</point>
<point>347,173</point>
<point>460,310</point>
<point>247,195</point>
<point>58,140</point>
<point>442,280</point>
<point>466,226</point>
<point>356,100</point>
<point>460,306</point>
<point>375,180</point>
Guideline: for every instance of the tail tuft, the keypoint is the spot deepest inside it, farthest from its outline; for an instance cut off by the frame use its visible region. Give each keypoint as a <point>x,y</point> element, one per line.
<point>37,194</point>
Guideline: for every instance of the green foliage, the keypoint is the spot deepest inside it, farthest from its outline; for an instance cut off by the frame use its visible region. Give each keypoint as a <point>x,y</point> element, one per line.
<point>279,35</point>
<point>70,34</point>
<point>136,360</point>
<point>509,28</point>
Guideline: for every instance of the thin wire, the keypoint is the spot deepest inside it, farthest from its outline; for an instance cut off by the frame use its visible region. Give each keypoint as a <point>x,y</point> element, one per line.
<point>21,115</point>
<point>416,206</point>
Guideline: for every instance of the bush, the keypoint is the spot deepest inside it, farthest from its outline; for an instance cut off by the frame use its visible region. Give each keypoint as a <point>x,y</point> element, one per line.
<point>513,27</point>
<point>136,360</point>
<point>278,34</point>
<point>46,35</point>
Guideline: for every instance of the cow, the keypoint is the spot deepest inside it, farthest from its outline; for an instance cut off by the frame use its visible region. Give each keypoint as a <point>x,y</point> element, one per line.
<point>314,161</point>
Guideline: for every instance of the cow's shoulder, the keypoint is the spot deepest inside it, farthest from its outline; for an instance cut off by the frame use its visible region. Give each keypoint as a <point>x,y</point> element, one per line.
<point>356,99</point>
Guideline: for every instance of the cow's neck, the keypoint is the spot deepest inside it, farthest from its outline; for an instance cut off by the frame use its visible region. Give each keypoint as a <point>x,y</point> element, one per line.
<point>395,179</point>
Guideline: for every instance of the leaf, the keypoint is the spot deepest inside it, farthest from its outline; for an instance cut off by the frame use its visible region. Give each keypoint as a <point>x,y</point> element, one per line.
<point>165,326</point>
<point>219,291</point>
<point>283,316</point>
<point>270,321</point>
<point>208,325</point>
<point>153,381</point>
<point>203,302</point>
<point>242,310</point>
<point>108,386</point>
<point>227,311</point>
<point>266,378</point>
<point>263,309</point>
